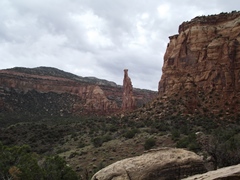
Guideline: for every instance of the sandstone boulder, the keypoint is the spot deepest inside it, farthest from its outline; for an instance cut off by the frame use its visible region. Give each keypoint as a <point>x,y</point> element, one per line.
<point>164,163</point>
<point>227,173</point>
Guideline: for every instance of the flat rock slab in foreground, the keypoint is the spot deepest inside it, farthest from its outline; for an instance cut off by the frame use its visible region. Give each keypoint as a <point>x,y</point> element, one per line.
<point>227,173</point>
<point>160,164</point>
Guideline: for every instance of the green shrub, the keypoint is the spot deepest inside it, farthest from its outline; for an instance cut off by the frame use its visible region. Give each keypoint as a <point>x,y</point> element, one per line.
<point>149,143</point>
<point>189,142</point>
<point>18,162</point>
<point>131,133</point>
<point>97,142</point>
<point>224,146</point>
<point>183,143</point>
<point>113,128</point>
<point>81,144</point>
<point>54,167</point>
<point>175,134</point>
<point>106,138</point>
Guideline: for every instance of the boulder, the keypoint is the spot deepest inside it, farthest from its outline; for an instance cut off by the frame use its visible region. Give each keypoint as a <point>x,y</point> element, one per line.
<point>227,173</point>
<point>158,164</point>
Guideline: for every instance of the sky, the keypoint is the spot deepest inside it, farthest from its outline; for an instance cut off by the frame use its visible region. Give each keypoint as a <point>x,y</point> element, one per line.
<point>97,38</point>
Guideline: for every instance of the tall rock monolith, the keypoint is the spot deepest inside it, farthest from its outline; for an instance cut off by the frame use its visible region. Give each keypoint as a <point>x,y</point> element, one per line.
<point>128,101</point>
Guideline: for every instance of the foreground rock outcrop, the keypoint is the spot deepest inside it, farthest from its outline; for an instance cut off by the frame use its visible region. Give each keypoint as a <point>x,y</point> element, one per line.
<point>165,163</point>
<point>202,64</point>
<point>50,91</point>
<point>227,173</point>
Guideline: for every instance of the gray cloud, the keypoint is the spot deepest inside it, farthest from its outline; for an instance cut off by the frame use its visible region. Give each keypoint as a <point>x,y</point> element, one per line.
<point>97,37</point>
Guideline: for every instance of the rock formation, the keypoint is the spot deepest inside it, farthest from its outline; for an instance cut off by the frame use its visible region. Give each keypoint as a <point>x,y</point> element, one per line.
<point>202,64</point>
<point>165,163</point>
<point>51,91</point>
<point>227,173</point>
<point>128,102</point>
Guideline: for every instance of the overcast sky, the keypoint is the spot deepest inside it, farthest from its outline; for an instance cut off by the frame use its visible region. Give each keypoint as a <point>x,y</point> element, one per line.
<point>97,38</point>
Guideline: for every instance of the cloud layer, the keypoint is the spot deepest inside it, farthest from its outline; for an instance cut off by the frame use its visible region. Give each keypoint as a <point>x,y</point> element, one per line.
<point>97,37</point>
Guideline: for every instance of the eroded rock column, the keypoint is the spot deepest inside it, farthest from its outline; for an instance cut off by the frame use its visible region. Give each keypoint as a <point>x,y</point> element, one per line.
<point>128,102</point>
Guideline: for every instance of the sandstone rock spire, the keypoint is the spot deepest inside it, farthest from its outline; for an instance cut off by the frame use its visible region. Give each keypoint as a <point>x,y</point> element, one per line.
<point>128,101</point>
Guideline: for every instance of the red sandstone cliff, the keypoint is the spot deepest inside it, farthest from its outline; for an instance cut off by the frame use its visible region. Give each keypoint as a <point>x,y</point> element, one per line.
<point>52,91</point>
<point>128,99</point>
<point>202,64</point>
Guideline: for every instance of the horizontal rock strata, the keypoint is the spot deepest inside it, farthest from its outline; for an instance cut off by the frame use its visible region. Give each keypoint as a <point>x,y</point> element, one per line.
<point>202,62</point>
<point>51,91</point>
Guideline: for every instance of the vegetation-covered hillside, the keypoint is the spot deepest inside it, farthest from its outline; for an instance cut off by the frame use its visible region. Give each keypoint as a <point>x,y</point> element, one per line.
<point>88,144</point>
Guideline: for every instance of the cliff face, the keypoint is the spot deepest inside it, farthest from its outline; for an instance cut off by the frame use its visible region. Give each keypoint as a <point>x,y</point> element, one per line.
<point>202,64</point>
<point>128,102</point>
<point>51,91</point>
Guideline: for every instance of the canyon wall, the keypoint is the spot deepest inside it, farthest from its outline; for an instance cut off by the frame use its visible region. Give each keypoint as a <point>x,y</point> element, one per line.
<point>202,64</point>
<point>46,90</point>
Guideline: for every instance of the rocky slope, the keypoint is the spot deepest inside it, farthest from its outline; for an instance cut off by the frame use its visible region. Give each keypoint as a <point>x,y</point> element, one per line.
<point>202,65</point>
<point>51,91</point>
